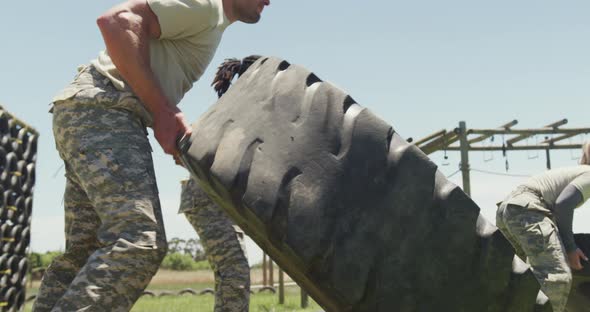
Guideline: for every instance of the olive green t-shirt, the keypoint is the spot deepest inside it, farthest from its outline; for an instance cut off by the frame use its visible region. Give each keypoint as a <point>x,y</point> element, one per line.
<point>552,182</point>
<point>548,185</point>
<point>190,34</point>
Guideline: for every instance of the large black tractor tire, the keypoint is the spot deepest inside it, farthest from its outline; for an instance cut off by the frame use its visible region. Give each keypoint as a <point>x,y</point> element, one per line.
<point>354,214</point>
<point>579,299</point>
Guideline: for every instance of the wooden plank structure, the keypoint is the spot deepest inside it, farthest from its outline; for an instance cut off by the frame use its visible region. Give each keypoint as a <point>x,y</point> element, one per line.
<point>464,140</point>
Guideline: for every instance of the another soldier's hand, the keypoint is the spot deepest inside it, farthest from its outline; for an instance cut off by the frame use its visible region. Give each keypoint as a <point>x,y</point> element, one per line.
<point>574,259</point>
<point>177,160</point>
<point>169,125</point>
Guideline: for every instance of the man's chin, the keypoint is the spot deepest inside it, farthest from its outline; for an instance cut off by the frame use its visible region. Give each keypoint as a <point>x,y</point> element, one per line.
<point>252,19</point>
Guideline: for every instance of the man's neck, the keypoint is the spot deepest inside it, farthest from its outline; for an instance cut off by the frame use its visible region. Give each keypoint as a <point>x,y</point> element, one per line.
<point>228,6</point>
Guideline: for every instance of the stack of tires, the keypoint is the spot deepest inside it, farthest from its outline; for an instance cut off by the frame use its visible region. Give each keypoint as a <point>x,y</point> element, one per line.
<point>18,153</point>
<point>361,219</point>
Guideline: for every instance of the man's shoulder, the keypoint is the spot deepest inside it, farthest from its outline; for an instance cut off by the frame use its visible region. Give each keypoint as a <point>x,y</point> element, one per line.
<point>181,19</point>
<point>194,12</point>
<point>585,172</point>
<point>580,170</point>
<point>184,4</point>
<point>568,171</point>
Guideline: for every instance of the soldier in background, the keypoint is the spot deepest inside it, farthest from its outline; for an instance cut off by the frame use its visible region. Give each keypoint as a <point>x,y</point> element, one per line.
<point>222,240</point>
<point>223,243</point>
<point>537,219</point>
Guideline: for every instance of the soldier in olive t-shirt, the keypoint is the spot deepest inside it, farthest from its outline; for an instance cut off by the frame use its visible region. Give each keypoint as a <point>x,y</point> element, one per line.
<point>537,219</point>
<point>115,238</point>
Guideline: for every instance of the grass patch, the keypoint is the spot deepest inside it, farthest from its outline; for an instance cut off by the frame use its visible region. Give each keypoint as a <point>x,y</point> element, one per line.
<point>263,302</point>
<point>174,281</point>
<point>260,302</point>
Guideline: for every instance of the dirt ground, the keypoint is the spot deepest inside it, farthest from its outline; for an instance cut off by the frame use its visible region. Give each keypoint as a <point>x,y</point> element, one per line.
<point>167,277</point>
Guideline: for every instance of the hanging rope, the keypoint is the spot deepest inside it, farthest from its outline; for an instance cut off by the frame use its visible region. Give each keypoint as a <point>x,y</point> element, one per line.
<point>574,155</point>
<point>501,173</point>
<point>454,173</point>
<point>532,154</point>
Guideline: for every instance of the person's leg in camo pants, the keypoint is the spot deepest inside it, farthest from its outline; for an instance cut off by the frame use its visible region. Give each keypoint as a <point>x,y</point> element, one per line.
<point>224,246</point>
<point>535,234</point>
<point>115,237</point>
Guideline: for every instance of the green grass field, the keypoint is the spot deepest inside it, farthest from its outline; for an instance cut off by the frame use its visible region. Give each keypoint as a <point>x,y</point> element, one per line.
<point>264,302</point>
<point>174,281</point>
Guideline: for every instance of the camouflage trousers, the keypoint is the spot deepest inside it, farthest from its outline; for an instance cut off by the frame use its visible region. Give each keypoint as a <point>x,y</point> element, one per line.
<point>535,237</point>
<point>115,238</point>
<point>224,246</point>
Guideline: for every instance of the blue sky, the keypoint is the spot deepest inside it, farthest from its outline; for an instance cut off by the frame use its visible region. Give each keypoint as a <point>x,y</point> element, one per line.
<point>420,65</point>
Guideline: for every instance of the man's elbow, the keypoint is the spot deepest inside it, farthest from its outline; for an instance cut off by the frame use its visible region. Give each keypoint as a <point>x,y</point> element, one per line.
<point>114,19</point>
<point>134,16</point>
<point>105,21</point>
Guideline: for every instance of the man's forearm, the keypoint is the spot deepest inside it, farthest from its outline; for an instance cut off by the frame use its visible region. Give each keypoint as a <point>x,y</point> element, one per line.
<point>127,42</point>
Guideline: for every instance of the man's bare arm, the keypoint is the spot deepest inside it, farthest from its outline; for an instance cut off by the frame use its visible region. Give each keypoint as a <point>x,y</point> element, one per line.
<point>127,30</point>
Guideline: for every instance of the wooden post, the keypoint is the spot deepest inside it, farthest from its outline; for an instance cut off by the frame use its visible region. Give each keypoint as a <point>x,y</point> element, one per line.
<point>264,268</point>
<point>464,157</point>
<point>281,287</point>
<point>271,273</point>
<point>548,158</point>
<point>304,299</point>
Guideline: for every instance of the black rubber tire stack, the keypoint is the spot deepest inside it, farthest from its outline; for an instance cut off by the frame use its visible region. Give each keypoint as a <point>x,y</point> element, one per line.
<point>354,214</point>
<point>18,154</point>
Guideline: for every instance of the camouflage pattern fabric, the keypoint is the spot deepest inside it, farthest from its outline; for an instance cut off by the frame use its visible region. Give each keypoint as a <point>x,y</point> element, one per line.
<point>91,87</point>
<point>535,237</point>
<point>115,238</point>
<point>224,245</point>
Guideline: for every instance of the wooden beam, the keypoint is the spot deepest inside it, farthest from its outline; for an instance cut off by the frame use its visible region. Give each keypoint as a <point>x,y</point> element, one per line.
<point>557,124</point>
<point>440,143</point>
<point>304,299</point>
<point>430,137</point>
<point>443,139</point>
<point>517,148</point>
<point>264,269</point>
<point>553,126</point>
<point>464,147</point>
<point>485,136</point>
<point>281,286</point>
<point>559,138</point>
<point>529,132</point>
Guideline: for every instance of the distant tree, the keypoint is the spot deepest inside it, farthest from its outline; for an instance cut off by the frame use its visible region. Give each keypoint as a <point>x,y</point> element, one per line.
<point>200,255</point>
<point>176,245</point>
<point>35,260</point>
<point>178,262</point>
<point>191,247</point>
<point>39,260</point>
<point>194,248</point>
